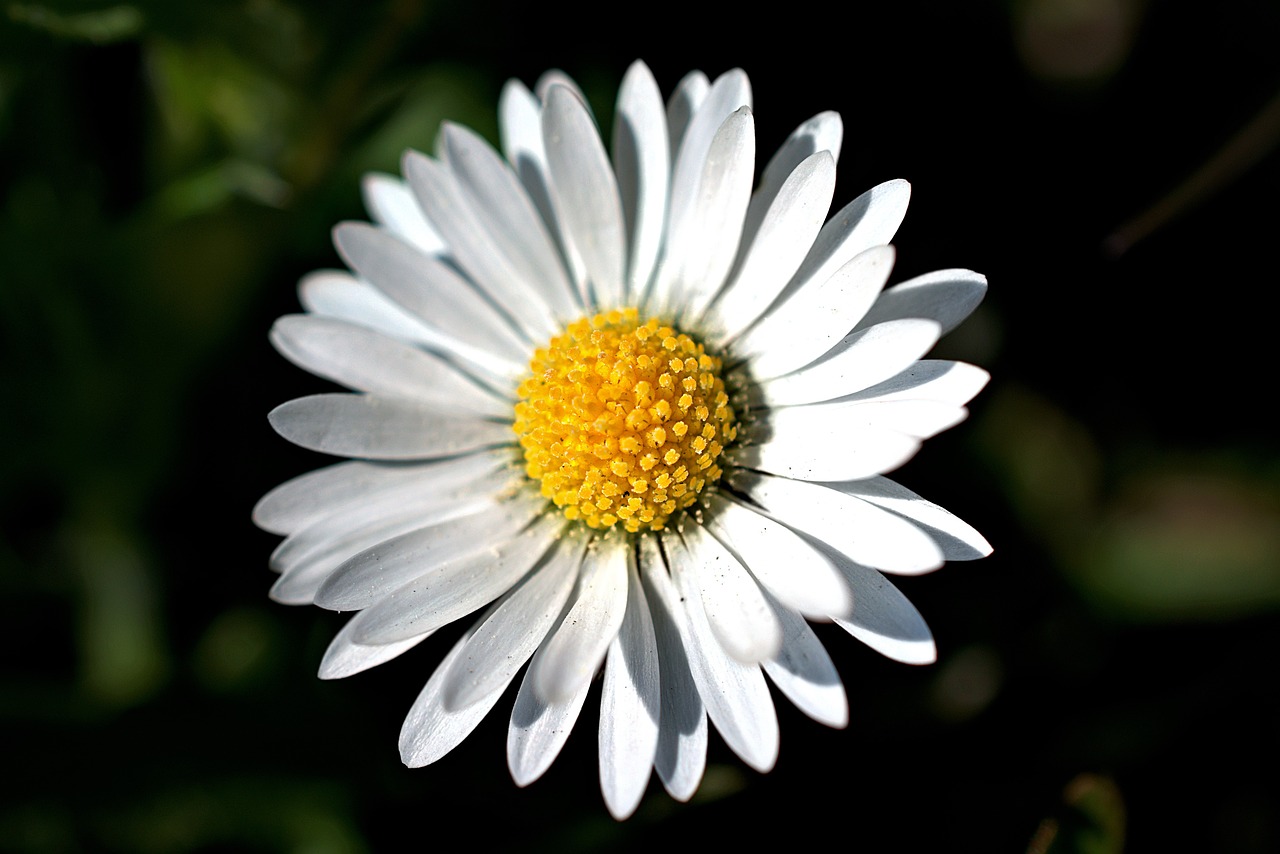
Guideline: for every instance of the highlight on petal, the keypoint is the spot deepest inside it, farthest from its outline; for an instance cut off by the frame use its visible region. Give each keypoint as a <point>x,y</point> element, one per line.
<point>630,702</point>
<point>573,652</point>
<point>803,671</point>
<point>382,428</point>
<point>681,756</point>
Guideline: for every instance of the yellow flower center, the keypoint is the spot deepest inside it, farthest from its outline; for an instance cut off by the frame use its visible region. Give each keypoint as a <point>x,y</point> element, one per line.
<point>623,421</point>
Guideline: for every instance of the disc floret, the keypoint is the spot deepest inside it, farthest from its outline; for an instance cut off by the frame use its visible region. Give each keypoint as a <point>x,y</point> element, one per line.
<point>623,421</point>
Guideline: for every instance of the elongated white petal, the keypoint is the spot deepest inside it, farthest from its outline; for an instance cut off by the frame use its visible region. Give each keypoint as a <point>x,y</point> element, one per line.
<point>869,220</point>
<point>345,657</point>
<point>382,428</point>
<point>585,194</point>
<point>726,95</point>
<point>473,245</point>
<point>369,576</point>
<point>824,451</point>
<point>429,290</point>
<point>365,360</point>
<point>340,295</point>
<point>823,132</point>
<point>539,727</point>
<point>800,576</point>
<point>341,487</point>
<point>954,383</point>
<point>308,557</point>
<point>391,203</point>
<point>816,317</point>
<point>863,359</point>
<point>642,162</point>
<point>735,607</point>
<point>859,530</point>
<point>573,653</point>
<point>957,539</point>
<point>681,756</point>
<point>947,296</point>
<point>685,100</point>
<point>911,417</point>
<point>701,254</point>
<point>803,671</point>
<point>884,619</point>
<point>430,730</point>
<point>735,694</point>
<point>779,243</point>
<point>630,702</point>
<point>556,77</point>
<point>515,629</point>
<point>517,229</point>
<point>520,126</point>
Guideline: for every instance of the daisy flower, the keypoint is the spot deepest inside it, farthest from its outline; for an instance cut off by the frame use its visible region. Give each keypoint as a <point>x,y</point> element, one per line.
<point>632,409</point>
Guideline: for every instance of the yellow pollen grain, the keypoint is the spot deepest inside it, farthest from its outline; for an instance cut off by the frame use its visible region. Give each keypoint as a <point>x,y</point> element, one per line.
<point>615,419</point>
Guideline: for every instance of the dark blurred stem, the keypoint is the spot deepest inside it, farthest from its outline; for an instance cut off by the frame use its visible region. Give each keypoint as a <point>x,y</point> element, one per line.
<point>1241,152</point>
<point>333,118</point>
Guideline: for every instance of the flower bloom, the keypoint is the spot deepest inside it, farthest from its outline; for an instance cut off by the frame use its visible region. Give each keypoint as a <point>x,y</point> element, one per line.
<point>633,408</point>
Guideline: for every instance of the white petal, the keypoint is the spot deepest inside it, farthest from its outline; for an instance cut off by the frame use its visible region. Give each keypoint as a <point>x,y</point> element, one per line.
<point>735,694</point>
<point>730,92</point>
<point>429,290</point>
<point>822,450</point>
<point>816,317</point>
<point>884,619</point>
<point>430,731</point>
<point>345,657</point>
<point>701,253</point>
<point>297,503</point>
<point>957,539</point>
<point>303,499</point>
<point>475,247</point>
<point>391,203</point>
<point>585,194</point>
<point>869,220</point>
<point>573,653</point>
<point>382,428</point>
<point>555,77</point>
<point>779,244</point>
<point>539,728</point>
<point>365,360</point>
<point>803,671</point>
<point>863,359</point>
<point>630,700</point>
<point>947,296</point>
<point>642,161</point>
<point>954,383</point>
<point>515,224</point>
<point>338,294</point>
<point>310,555</point>
<point>735,607</point>
<point>823,132</point>
<point>515,629</point>
<point>859,530</point>
<point>800,576</point>
<point>685,100</point>
<point>681,756</point>
<point>370,575</point>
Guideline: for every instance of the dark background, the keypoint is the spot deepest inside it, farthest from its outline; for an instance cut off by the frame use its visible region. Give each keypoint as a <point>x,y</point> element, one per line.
<point>1106,680</point>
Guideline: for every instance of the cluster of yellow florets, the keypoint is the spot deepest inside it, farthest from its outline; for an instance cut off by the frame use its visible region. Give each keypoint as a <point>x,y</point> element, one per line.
<point>623,421</point>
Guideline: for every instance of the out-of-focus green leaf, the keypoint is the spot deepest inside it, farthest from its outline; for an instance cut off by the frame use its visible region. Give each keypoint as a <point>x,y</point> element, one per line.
<point>1187,544</point>
<point>99,26</point>
<point>1091,820</point>
<point>122,648</point>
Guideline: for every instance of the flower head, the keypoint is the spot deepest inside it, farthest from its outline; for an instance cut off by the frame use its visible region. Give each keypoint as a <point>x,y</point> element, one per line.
<point>635,410</point>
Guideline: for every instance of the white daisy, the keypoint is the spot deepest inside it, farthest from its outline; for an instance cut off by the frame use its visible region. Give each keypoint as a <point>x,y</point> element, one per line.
<point>634,409</point>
